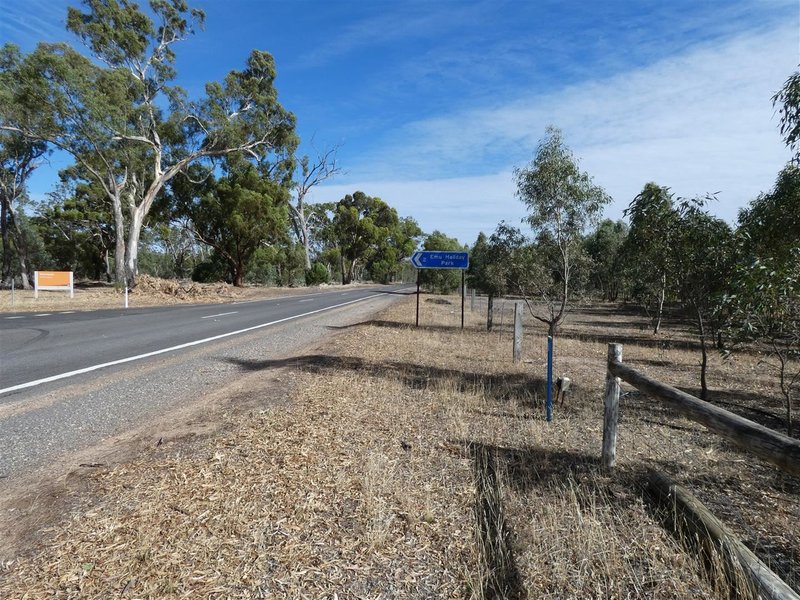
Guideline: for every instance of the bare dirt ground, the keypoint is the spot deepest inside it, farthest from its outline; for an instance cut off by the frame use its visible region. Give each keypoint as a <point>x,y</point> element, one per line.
<point>394,462</point>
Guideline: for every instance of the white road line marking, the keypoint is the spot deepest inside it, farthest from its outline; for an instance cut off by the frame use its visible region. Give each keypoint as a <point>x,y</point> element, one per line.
<point>308,300</point>
<point>121,361</point>
<point>280,298</point>
<point>43,315</point>
<point>221,314</point>
<point>20,317</point>
<point>67,312</point>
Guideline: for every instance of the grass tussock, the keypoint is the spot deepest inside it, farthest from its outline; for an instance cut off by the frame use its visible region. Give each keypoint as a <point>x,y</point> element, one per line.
<point>416,463</point>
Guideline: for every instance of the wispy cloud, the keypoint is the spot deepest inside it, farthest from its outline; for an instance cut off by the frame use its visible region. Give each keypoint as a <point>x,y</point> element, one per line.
<point>28,23</point>
<point>700,121</point>
<point>394,22</point>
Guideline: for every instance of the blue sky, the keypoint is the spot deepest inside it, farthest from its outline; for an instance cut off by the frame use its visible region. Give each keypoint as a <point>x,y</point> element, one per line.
<point>435,102</point>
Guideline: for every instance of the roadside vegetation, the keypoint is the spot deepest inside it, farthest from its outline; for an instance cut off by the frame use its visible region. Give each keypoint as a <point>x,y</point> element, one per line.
<point>416,463</point>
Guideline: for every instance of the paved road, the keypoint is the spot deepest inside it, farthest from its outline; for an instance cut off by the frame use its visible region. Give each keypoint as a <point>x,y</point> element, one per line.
<point>47,346</point>
<point>70,382</point>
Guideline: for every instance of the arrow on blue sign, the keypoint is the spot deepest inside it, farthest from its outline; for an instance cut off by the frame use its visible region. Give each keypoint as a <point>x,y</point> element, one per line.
<point>434,259</point>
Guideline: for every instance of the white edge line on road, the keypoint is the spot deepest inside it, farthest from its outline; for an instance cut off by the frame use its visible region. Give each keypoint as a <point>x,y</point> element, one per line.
<point>121,361</point>
<point>233,312</point>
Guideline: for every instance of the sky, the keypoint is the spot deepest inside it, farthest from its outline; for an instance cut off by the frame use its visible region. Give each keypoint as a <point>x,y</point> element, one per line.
<point>433,104</point>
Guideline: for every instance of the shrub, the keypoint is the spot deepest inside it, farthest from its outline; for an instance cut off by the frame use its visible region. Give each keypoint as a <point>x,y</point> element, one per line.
<point>317,274</point>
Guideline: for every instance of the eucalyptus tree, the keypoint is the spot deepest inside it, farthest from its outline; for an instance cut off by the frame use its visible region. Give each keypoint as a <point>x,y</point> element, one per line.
<point>497,265</point>
<point>62,99</point>
<point>770,225</point>
<point>604,246</point>
<point>787,101</point>
<point>703,254</point>
<point>311,174</point>
<point>764,305</point>
<point>763,297</point>
<point>360,225</point>
<point>19,158</point>
<point>76,225</point>
<point>562,201</point>
<point>401,242</point>
<point>129,126</point>
<point>648,248</point>
<point>238,214</point>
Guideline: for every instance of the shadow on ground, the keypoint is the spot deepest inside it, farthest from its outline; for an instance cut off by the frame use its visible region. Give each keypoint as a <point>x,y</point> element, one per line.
<point>502,387</point>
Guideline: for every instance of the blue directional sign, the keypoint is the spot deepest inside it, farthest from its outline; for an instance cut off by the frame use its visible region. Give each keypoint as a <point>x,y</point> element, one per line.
<point>435,259</point>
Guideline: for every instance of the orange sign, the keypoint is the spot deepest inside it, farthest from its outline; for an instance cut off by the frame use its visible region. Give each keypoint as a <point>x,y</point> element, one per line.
<point>55,278</point>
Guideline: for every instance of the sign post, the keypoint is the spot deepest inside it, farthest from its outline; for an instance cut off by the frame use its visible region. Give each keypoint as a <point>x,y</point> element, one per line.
<point>441,259</point>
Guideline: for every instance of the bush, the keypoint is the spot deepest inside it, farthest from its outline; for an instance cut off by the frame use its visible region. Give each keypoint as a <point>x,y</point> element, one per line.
<point>317,274</point>
<point>210,271</point>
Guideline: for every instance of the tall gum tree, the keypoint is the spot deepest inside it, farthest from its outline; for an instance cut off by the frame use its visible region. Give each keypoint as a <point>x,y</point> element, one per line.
<point>311,174</point>
<point>20,156</point>
<point>155,127</point>
<point>360,225</point>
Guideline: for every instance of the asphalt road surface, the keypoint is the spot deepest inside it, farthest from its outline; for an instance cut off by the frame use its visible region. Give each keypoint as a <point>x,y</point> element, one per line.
<point>70,379</point>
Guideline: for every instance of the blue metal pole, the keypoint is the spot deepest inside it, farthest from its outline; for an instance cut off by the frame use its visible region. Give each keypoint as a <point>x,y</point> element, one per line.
<point>549,403</point>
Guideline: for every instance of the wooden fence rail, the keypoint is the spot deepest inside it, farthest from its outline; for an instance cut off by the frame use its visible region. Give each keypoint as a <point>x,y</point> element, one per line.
<point>697,526</point>
<point>779,449</point>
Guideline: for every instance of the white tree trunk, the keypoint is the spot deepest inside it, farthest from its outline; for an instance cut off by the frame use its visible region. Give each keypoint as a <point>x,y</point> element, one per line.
<point>132,251</point>
<point>119,242</point>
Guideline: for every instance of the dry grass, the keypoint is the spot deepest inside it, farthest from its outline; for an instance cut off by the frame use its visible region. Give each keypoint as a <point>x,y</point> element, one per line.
<point>416,464</point>
<point>149,291</point>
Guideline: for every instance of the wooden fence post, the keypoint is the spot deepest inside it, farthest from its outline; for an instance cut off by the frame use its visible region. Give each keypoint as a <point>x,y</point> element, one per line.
<point>517,331</point>
<point>472,300</point>
<point>611,410</point>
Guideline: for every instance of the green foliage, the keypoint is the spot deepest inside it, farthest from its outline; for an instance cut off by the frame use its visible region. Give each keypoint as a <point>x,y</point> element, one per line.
<point>764,306</point>
<point>19,158</point>
<point>385,263</point>
<point>317,275</point>
<point>495,263</point>
<point>604,247</point>
<point>787,101</point>
<point>170,251</point>
<point>211,270</point>
<point>441,281</point>
<point>702,256</point>
<point>770,226</point>
<point>77,227</point>
<point>369,237</point>
<point>281,264</point>
<point>562,202</point>
<point>237,214</point>
<point>648,248</point>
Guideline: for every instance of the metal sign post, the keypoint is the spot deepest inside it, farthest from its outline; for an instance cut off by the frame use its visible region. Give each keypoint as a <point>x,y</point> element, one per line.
<point>463,294</point>
<point>417,298</point>
<point>549,403</point>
